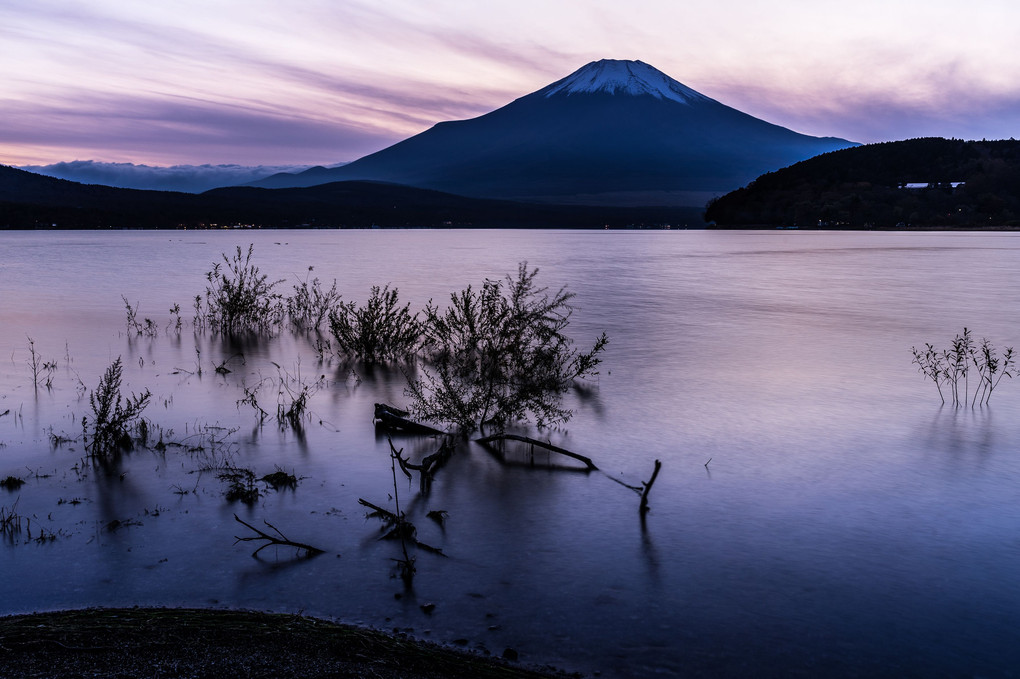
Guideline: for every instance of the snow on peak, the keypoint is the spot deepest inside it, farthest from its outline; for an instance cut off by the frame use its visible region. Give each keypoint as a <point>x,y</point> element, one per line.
<point>613,76</point>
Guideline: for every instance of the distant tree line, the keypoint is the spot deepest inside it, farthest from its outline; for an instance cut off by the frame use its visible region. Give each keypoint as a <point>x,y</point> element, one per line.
<point>866,187</point>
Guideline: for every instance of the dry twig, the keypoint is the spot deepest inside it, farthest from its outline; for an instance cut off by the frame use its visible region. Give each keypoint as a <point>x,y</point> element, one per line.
<point>279,539</point>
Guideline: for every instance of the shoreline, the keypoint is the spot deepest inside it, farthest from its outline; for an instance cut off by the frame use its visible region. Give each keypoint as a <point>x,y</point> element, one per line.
<point>196,642</point>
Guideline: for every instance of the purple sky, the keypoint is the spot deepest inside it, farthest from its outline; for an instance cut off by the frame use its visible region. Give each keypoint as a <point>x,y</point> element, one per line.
<point>324,81</point>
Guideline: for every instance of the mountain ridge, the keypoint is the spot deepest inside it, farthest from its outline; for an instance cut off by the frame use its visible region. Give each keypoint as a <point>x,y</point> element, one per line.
<point>184,178</point>
<point>611,128</point>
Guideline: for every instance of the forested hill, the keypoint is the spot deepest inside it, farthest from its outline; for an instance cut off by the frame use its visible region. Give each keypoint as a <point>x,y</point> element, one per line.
<point>918,183</point>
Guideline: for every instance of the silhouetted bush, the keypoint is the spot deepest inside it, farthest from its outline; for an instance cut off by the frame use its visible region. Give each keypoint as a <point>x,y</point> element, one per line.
<point>379,330</point>
<point>239,297</point>
<point>499,355</point>
<point>113,416</point>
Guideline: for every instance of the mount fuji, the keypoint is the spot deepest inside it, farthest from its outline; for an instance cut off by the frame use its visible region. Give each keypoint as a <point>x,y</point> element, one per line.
<point>611,133</point>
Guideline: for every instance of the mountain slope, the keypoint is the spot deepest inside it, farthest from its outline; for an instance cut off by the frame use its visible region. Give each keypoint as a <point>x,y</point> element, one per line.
<point>613,132</point>
<point>921,183</point>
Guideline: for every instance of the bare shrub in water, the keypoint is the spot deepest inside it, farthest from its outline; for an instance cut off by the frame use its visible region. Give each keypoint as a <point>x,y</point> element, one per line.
<point>991,369</point>
<point>952,368</point>
<point>931,364</point>
<point>379,330</point>
<point>148,328</point>
<point>113,416</point>
<point>293,393</point>
<point>292,398</point>
<point>311,303</point>
<point>499,355</point>
<point>42,370</point>
<point>240,298</point>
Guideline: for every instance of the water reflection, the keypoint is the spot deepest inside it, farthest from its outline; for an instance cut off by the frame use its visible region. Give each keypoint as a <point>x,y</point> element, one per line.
<point>817,511</point>
<point>649,552</point>
<point>967,434</point>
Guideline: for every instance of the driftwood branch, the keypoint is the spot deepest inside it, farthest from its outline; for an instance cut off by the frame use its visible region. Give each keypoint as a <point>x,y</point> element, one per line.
<point>430,464</point>
<point>279,539</point>
<point>647,486</point>
<point>535,443</point>
<point>405,465</point>
<point>402,529</point>
<point>384,514</point>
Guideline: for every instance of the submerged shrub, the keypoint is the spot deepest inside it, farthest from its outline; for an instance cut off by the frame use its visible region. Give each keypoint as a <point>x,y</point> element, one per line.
<point>293,395</point>
<point>12,483</point>
<point>499,355</point>
<point>292,392</point>
<point>240,485</point>
<point>280,479</point>
<point>991,369</point>
<point>931,364</point>
<point>42,370</point>
<point>379,330</point>
<point>113,416</point>
<point>951,368</point>
<point>310,304</point>
<point>148,328</point>
<point>240,298</point>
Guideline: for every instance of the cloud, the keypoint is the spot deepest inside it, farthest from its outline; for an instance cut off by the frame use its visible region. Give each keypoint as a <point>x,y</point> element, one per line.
<point>187,178</point>
<point>321,81</point>
<point>884,93</point>
<point>122,88</point>
<point>168,131</point>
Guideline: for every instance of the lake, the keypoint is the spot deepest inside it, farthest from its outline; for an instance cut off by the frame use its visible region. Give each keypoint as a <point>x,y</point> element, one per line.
<point>819,512</point>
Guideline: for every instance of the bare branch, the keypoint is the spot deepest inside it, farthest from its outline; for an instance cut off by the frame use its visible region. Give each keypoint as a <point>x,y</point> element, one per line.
<point>280,539</point>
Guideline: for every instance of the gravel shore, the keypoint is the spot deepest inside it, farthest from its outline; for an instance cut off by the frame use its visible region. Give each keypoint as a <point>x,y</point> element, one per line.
<point>158,642</point>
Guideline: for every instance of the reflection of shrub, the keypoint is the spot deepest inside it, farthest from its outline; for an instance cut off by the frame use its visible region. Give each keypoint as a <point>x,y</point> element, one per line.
<point>380,330</point>
<point>239,297</point>
<point>113,416</point>
<point>499,355</point>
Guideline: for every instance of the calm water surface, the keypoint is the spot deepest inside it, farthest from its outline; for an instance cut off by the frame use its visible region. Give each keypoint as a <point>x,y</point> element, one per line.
<point>846,525</point>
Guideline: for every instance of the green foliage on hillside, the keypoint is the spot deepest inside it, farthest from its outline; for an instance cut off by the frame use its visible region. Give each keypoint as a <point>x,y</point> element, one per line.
<point>863,187</point>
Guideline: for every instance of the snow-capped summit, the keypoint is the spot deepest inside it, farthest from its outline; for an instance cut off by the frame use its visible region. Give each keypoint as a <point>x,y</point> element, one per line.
<point>614,76</point>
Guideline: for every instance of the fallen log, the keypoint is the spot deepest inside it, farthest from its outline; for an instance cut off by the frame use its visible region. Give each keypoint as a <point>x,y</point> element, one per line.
<point>501,438</point>
<point>396,419</point>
